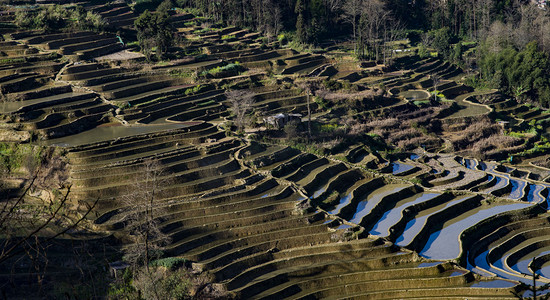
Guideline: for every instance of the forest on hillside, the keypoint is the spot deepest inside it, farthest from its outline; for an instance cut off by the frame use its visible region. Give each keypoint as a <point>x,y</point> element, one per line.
<point>513,36</point>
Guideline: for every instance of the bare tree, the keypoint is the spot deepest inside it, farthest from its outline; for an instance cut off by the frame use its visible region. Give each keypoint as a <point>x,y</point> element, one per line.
<point>40,213</point>
<point>242,103</point>
<point>141,218</point>
<point>393,31</point>
<point>291,129</point>
<point>525,31</point>
<point>374,16</point>
<point>277,19</point>
<point>24,219</point>
<point>142,221</point>
<point>308,87</point>
<point>352,12</point>
<point>333,5</point>
<point>543,24</point>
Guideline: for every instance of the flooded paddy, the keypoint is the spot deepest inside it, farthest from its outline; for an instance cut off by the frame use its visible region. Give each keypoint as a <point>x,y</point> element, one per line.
<point>517,188</point>
<point>366,206</point>
<point>319,192</point>
<point>108,132</point>
<point>534,193</point>
<point>392,216</point>
<point>520,189</point>
<point>412,95</point>
<point>482,166</point>
<point>500,182</point>
<point>493,284</point>
<point>398,168</point>
<point>545,270</point>
<point>522,265</point>
<point>470,164</point>
<point>444,244</point>
<point>513,272</point>
<point>414,226</point>
<point>469,109</point>
<point>343,202</point>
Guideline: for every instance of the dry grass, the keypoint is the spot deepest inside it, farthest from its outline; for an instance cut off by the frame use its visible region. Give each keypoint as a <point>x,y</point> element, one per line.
<point>383,123</point>
<point>406,130</point>
<point>543,162</point>
<point>339,96</point>
<point>475,132</point>
<point>332,143</point>
<point>404,134</point>
<point>481,138</point>
<point>419,142</point>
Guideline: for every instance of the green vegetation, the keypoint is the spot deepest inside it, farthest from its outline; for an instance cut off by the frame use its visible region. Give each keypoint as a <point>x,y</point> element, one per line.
<point>520,73</point>
<point>13,157</point>
<point>12,60</point>
<point>164,283</point>
<point>197,89</point>
<point>229,69</point>
<point>154,33</point>
<point>228,37</point>
<point>57,17</point>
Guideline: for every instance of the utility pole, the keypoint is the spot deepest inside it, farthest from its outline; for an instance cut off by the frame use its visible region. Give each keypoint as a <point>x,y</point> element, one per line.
<point>308,115</point>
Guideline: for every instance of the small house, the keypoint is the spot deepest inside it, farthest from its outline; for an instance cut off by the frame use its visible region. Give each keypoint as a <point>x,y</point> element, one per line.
<point>279,121</point>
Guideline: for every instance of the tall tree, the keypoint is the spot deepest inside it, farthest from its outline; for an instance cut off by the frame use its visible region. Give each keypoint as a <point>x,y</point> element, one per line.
<point>154,31</point>
<point>301,27</point>
<point>143,213</point>
<point>373,19</point>
<point>242,103</point>
<point>352,13</point>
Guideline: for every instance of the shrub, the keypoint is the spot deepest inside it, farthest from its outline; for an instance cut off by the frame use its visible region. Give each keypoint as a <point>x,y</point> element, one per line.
<point>229,69</point>
<point>181,73</point>
<point>160,283</point>
<point>170,263</point>
<point>332,85</point>
<point>14,157</point>
<point>201,57</point>
<point>154,33</point>
<point>53,18</point>
<point>12,60</point>
<point>282,38</point>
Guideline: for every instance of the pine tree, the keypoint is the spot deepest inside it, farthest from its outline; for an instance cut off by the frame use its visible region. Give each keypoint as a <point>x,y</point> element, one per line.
<point>301,30</point>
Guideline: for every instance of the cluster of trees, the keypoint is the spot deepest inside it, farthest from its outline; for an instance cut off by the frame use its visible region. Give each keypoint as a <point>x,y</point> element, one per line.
<point>154,33</point>
<point>370,22</point>
<point>262,15</point>
<point>374,28</point>
<point>316,19</point>
<point>513,38</point>
<point>53,18</point>
<point>521,73</point>
<point>514,53</point>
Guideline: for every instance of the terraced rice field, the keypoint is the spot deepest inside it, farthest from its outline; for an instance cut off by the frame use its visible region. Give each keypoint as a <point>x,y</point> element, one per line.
<point>269,221</point>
